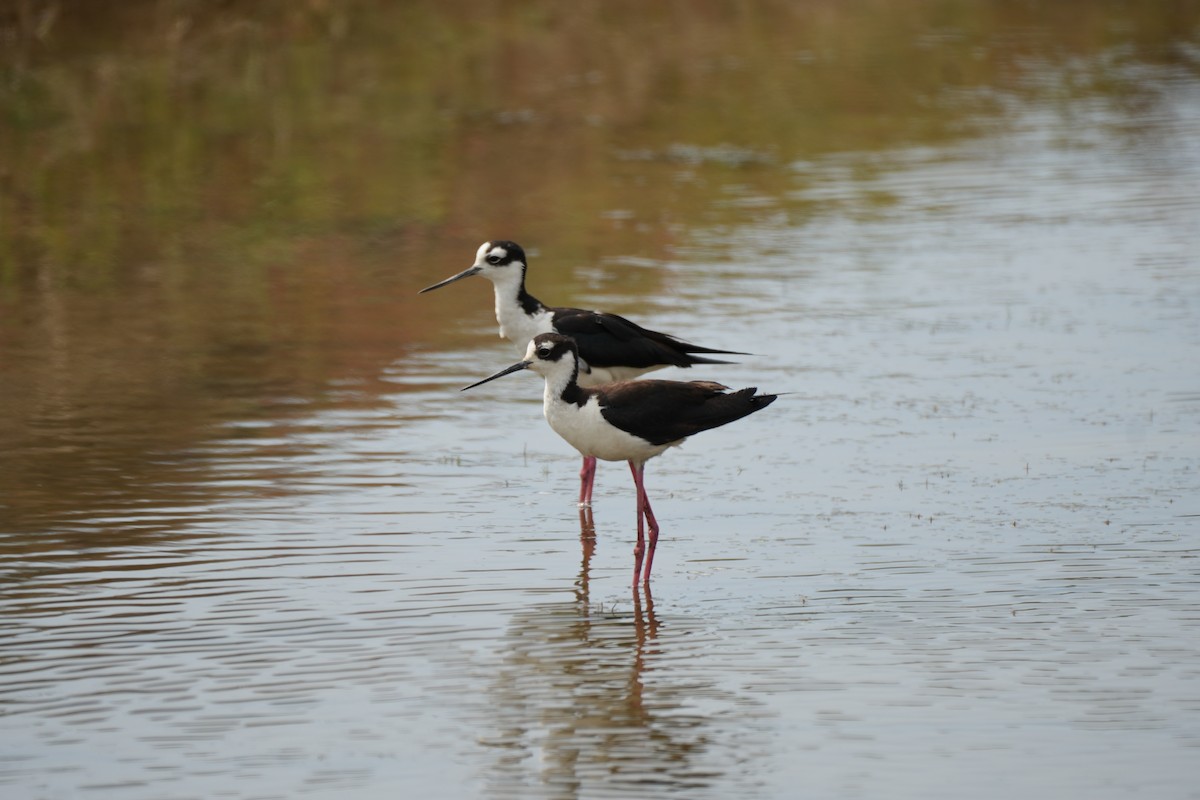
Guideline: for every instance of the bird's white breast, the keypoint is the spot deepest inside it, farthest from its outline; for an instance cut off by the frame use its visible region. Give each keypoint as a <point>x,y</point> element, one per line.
<point>517,326</point>
<point>587,431</point>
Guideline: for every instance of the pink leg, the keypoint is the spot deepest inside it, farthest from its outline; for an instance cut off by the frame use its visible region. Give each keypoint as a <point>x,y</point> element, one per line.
<point>640,548</point>
<point>644,512</point>
<point>587,478</point>
<point>653,525</point>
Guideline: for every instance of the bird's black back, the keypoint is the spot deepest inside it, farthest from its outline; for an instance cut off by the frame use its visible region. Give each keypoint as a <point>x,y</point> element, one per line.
<point>608,340</point>
<point>662,412</point>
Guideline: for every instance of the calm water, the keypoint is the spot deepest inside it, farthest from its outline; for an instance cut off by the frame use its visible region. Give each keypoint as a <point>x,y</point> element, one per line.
<point>255,544</point>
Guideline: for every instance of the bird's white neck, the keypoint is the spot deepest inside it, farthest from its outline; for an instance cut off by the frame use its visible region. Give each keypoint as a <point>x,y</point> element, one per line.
<point>519,321</point>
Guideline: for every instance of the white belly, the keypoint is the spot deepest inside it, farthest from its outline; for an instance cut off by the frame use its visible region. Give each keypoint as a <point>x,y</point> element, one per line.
<point>586,430</point>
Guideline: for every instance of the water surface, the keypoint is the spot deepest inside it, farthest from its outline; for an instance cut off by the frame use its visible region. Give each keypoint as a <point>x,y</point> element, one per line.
<point>254,543</point>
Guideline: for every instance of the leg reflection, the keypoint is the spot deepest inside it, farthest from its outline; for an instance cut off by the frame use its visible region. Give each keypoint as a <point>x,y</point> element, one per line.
<point>645,627</point>
<point>587,542</point>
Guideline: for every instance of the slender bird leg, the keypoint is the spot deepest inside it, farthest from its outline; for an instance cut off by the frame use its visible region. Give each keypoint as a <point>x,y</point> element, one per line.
<point>587,478</point>
<point>648,513</point>
<point>640,548</point>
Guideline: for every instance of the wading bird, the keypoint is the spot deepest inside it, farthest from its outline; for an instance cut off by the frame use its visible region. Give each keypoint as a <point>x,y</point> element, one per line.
<point>611,348</point>
<point>631,421</point>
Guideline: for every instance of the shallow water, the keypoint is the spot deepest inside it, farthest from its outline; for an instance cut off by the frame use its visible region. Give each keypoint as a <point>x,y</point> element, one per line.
<point>960,558</point>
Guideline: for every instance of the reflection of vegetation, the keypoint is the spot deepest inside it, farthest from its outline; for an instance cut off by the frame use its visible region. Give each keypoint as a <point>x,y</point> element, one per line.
<point>202,204</point>
<point>146,130</point>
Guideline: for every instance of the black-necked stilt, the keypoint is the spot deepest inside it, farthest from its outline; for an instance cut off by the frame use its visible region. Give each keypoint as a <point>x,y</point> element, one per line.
<point>611,348</point>
<point>630,421</point>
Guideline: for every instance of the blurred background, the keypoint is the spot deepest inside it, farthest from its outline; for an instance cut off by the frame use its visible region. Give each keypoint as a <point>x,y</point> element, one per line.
<point>964,232</point>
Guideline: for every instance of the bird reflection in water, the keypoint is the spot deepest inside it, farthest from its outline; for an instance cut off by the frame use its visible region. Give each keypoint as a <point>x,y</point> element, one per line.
<point>580,702</point>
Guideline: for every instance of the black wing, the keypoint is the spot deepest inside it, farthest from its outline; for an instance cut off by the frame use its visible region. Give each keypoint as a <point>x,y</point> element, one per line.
<point>607,340</point>
<point>667,411</point>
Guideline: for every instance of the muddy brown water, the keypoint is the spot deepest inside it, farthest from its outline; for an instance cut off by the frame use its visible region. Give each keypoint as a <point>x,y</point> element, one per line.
<point>255,544</point>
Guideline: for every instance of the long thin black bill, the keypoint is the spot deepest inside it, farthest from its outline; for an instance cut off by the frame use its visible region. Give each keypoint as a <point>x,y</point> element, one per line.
<point>520,365</point>
<point>466,273</point>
